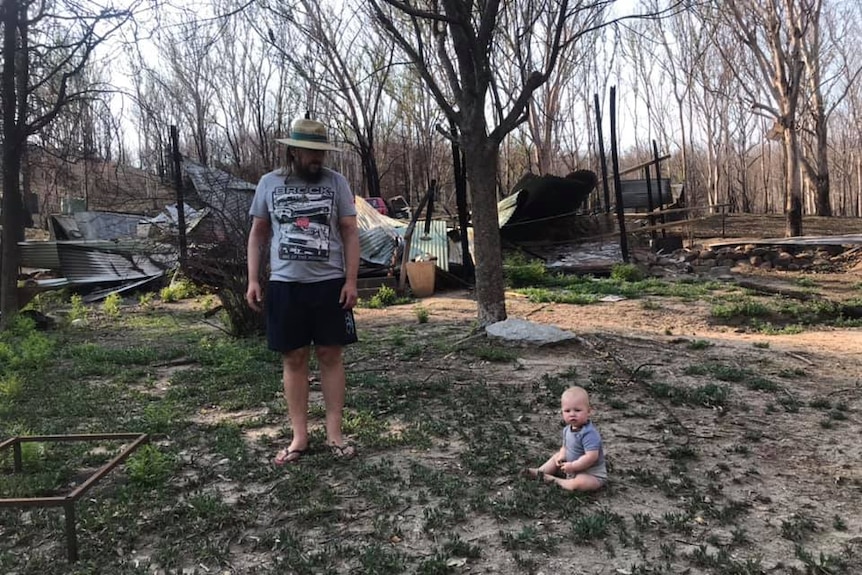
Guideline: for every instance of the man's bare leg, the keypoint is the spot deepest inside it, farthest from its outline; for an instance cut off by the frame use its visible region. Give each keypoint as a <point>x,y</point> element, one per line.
<point>333,383</point>
<point>295,374</point>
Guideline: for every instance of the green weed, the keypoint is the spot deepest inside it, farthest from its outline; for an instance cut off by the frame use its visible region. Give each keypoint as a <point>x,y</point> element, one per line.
<point>797,527</point>
<point>627,273</point>
<point>179,289</point>
<point>148,467</point>
<point>520,272</point>
<point>421,314</point>
<point>79,310</point>
<point>111,305</point>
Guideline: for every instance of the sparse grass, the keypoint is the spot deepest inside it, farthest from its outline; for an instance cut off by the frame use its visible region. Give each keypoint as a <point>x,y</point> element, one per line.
<point>494,353</point>
<point>442,436</point>
<point>699,344</point>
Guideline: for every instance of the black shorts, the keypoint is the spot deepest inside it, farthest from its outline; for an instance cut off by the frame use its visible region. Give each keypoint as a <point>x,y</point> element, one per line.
<point>301,314</point>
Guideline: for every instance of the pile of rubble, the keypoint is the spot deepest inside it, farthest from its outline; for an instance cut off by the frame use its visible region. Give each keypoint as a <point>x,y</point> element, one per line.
<point>750,257</point>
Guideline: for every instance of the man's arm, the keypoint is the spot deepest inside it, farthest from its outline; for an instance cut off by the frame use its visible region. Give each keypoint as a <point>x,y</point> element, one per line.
<point>350,236</point>
<point>258,238</point>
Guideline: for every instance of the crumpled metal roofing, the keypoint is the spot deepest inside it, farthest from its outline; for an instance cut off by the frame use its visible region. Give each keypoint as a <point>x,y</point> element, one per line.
<point>207,179</point>
<point>91,225</point>
<point>97,262</point>
<point>379,241</point>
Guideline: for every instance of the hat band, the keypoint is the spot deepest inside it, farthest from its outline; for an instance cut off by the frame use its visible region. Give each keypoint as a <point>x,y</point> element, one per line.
<point>309,137</point>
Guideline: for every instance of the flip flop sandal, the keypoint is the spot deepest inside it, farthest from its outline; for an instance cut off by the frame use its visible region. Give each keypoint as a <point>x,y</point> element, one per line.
<point>345,451</point>
<point>288,456</point>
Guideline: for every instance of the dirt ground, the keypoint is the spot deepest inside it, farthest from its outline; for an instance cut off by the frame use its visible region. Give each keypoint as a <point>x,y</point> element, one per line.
<point>793,463</point>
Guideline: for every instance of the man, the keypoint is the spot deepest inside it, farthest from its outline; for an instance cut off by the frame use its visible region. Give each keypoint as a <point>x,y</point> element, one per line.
<point>306,214</point>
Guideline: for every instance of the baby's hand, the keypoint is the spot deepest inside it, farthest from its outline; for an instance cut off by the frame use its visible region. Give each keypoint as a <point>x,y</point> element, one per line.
<point>561,464</point>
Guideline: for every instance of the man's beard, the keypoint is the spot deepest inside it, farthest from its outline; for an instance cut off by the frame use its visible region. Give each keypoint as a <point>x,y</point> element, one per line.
<point>306,174</point>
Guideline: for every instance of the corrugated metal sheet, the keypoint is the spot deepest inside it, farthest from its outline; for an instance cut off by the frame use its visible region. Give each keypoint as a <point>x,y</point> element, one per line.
<point>95,226</point>
<point>94,262</point>
<point>206,179</point>
<point>378,239</point>
<point>506,208</point>
<point>435,243</point>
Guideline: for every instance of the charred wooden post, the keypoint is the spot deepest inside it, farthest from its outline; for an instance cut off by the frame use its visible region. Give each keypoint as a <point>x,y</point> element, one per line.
<point>657,161</point>
<point>618,188</point>
<point>602,158</point>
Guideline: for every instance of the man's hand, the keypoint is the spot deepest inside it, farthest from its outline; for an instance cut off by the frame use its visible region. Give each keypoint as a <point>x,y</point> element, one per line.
<point>254,296</point>
<point>349,295</point>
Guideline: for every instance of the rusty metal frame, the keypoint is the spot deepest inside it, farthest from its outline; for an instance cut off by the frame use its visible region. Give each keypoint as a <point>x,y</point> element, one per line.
<point>67,502</point>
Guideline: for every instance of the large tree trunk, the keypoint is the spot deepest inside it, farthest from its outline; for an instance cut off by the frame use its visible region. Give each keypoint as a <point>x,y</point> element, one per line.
<point>12,207</point>
<point>793,205</point>
<point>481,158</point>
<point>819,173</point>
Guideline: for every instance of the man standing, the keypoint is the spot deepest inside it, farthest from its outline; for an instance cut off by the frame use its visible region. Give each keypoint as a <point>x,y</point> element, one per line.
<point>306,213</point>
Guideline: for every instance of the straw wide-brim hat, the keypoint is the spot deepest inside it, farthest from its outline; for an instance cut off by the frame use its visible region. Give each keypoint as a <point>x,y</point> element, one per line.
<point>309,134</point>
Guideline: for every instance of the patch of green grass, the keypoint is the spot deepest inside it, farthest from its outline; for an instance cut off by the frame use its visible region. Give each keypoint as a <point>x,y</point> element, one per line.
<point>546,295</point>
<point>529,538</point>
<point>820,403</point>
<point>521,272</point>
<point>746,308</point>
<point>385,297</point>
<point>179,289</point>
<point>495,354</point>
<point>793,373</point>
<point>807,282</point>
<point>708,395</point>
<point>594,526</point>
<point>825,563</point>
<point>698,344</point>
<point>798,527</point>
<point>767,328</point>
<point>149,467</point>
<point>627,273</point>
<point>728,373</point>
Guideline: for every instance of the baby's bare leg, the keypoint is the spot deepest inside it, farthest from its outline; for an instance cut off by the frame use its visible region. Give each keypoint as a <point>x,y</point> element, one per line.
<point>580,482</point>
<point>548,468</point>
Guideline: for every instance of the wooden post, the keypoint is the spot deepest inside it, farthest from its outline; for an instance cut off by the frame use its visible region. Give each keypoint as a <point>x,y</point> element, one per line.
<point>181,206</point>
<point>618,189</point>
<point>408,238</point>
<point>602,158</point>
<point>658,179</point>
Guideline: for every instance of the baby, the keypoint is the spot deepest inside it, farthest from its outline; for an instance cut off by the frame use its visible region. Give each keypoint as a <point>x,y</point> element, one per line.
<point>579,465</point>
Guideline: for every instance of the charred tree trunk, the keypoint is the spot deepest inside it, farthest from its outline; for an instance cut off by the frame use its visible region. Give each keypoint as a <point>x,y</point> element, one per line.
<point>13,208</point>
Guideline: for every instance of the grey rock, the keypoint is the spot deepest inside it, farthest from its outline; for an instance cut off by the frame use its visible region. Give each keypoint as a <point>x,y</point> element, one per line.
<point>528,333</point>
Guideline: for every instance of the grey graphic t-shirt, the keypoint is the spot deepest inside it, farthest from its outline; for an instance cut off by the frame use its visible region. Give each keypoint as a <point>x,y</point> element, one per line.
<point>306,241</point>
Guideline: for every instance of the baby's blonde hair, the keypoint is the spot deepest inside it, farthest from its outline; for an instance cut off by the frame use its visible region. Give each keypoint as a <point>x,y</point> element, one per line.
<point>576,390</point>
